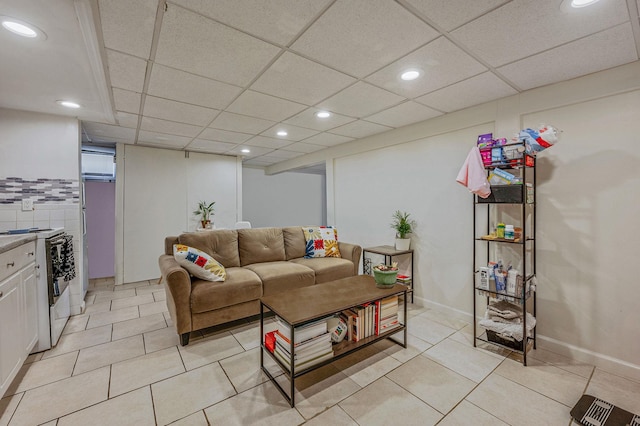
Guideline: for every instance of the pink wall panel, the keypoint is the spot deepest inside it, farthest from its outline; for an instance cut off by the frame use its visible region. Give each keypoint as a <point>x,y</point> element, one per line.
<point>101,228</point>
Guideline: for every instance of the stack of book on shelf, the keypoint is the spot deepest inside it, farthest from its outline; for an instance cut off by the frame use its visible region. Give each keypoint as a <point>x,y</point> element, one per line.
<point>403,279</point>
<point>388,315</point>
<point>371,319</point>
<point>312,344</point>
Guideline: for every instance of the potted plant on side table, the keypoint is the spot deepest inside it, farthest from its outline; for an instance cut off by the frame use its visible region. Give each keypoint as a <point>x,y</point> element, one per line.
<point>403,227</point>
<point>205,211</point>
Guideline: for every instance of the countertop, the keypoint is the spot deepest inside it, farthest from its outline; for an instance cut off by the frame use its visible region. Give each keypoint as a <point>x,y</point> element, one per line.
<point>7,242</point>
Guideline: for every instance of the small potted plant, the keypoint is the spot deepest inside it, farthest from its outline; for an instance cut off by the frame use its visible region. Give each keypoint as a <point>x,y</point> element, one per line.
<point>205,211</point>
<point>403,227</point>
<point>385,275</point>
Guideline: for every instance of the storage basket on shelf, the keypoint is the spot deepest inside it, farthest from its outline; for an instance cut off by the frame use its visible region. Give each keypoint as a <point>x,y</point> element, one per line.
<point>510,342</point>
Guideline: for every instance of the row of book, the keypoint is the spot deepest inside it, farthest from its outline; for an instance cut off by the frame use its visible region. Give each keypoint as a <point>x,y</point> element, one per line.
<point>311,344</point>
<point>371,319</point>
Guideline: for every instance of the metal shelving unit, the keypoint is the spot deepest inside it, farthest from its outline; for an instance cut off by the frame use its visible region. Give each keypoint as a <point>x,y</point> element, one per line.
<point>510,200</point>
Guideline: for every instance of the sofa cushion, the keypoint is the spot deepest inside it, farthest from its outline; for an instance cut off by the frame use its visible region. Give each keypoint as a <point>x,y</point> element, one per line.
<point>241,285</point>
<point>327,268</point>
<point>321,241</point>
<point>199,263</point>
<point>282,276</point>
<point>294,242</point>
<point>222,245</point>
<point>258,245</point>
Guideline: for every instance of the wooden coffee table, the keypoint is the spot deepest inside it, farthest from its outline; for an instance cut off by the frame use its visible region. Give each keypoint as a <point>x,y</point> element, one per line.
<point>308,304</point>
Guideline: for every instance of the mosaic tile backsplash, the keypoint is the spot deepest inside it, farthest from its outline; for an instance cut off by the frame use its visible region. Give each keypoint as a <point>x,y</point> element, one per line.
<point>42,191</point>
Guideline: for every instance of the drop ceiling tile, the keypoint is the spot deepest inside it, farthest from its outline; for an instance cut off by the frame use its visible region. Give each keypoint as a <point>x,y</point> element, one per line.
<point>240,123</point>
<point>294,133</point>
<point>450,14</point>
<point>282,154</point>
<point>113,140</point>
<point>178,85</point>
<point>126,119</point>
<point>476,90</point>
<point>308,119</point>
<point>441,62</point>
<point>255,151</point>
<point>126,71</point>
<point>126,101</point>
<point>156,138</point>
<point>210,146</point>
<point>199,45</point>
<point>301,80</point>
<point>304,147</point>
<point>265,142</point>
<point>178,111</point>
<point>533,27</point>
<point>360,100</point>
<point>224,136</point>
<point>600,51</point>
<point>327,139</point>
<point>128,26</point>
<point>404,114</point>
<point>264,106</point>
<point>108,130</point>
<point>170,127</point>
<point>274,20</point>
<point>360,129</point>
<point>360,36</point>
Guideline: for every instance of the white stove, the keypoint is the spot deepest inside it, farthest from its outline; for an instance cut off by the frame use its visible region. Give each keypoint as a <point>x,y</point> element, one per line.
<point>53,304</point>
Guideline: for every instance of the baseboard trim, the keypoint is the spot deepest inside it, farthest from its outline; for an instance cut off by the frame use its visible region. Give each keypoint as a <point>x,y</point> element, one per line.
<point>605,362</point>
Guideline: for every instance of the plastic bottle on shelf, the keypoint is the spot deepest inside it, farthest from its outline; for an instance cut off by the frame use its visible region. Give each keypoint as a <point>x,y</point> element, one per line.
<point>509,232</point>
<point>500,230</point>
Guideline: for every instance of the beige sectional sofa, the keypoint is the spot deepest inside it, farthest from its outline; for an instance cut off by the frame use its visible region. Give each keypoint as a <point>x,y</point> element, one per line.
<point>258,261</point>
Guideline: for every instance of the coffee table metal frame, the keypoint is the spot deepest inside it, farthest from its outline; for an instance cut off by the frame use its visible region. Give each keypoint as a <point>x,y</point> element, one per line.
<point>369,293</point>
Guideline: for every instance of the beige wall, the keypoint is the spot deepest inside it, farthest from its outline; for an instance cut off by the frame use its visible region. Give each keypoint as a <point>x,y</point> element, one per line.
<point>157,191</point>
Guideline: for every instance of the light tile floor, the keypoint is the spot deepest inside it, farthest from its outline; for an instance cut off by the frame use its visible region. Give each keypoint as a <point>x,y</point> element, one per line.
<point>120,363</point>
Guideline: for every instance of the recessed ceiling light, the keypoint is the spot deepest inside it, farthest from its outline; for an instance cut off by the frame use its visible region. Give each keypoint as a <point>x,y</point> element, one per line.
<point>282,133</point>
<point>323,114</point>
<point>409,75</point>
<point>582,3</point>
<point>22,28</point>
<point>246,151</point>
<point>68,104</point>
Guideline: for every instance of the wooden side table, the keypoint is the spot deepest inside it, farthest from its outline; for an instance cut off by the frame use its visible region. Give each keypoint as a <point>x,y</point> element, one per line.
<point>389,252</point>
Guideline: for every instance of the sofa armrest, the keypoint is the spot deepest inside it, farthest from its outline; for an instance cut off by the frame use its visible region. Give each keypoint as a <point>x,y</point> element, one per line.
<point>178,288</point>
<point>351,252</point>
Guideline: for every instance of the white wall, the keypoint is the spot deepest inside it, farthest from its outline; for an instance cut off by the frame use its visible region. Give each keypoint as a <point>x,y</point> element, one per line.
<point>41,146</point>
<point>588,202</point>
<point>286,199</point>
<point>159,190</point>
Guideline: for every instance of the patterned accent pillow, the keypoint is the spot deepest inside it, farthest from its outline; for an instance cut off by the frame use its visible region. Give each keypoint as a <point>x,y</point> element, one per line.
<point>199,263</point>
<point>322,241</point>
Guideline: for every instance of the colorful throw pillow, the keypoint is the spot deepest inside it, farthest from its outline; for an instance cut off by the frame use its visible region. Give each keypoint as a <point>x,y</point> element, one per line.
<point>199,263</point>
<point>322,241</point>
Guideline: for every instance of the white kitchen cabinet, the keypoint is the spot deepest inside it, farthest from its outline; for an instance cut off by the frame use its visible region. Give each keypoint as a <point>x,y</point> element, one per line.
<point>18,310</point>
<point>30,307</point>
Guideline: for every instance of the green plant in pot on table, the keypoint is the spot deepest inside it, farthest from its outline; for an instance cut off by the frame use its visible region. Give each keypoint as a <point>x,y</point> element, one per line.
<point>205,211</point>
<point>403,227</point>
<point>385,275</point>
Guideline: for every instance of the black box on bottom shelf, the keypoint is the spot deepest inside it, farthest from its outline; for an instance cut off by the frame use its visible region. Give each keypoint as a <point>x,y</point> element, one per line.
<point>504,341</point>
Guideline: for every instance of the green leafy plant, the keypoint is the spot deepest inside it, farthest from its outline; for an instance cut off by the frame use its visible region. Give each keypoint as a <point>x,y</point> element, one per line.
<point>402,224</point>
<point>205,211</point>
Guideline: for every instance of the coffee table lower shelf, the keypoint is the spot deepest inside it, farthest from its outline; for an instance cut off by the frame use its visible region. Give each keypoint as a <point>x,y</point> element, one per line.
<point>340,350</point>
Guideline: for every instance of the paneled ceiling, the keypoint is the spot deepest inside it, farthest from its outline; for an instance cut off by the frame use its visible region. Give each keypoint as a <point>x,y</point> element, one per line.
<point>226,75</point>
